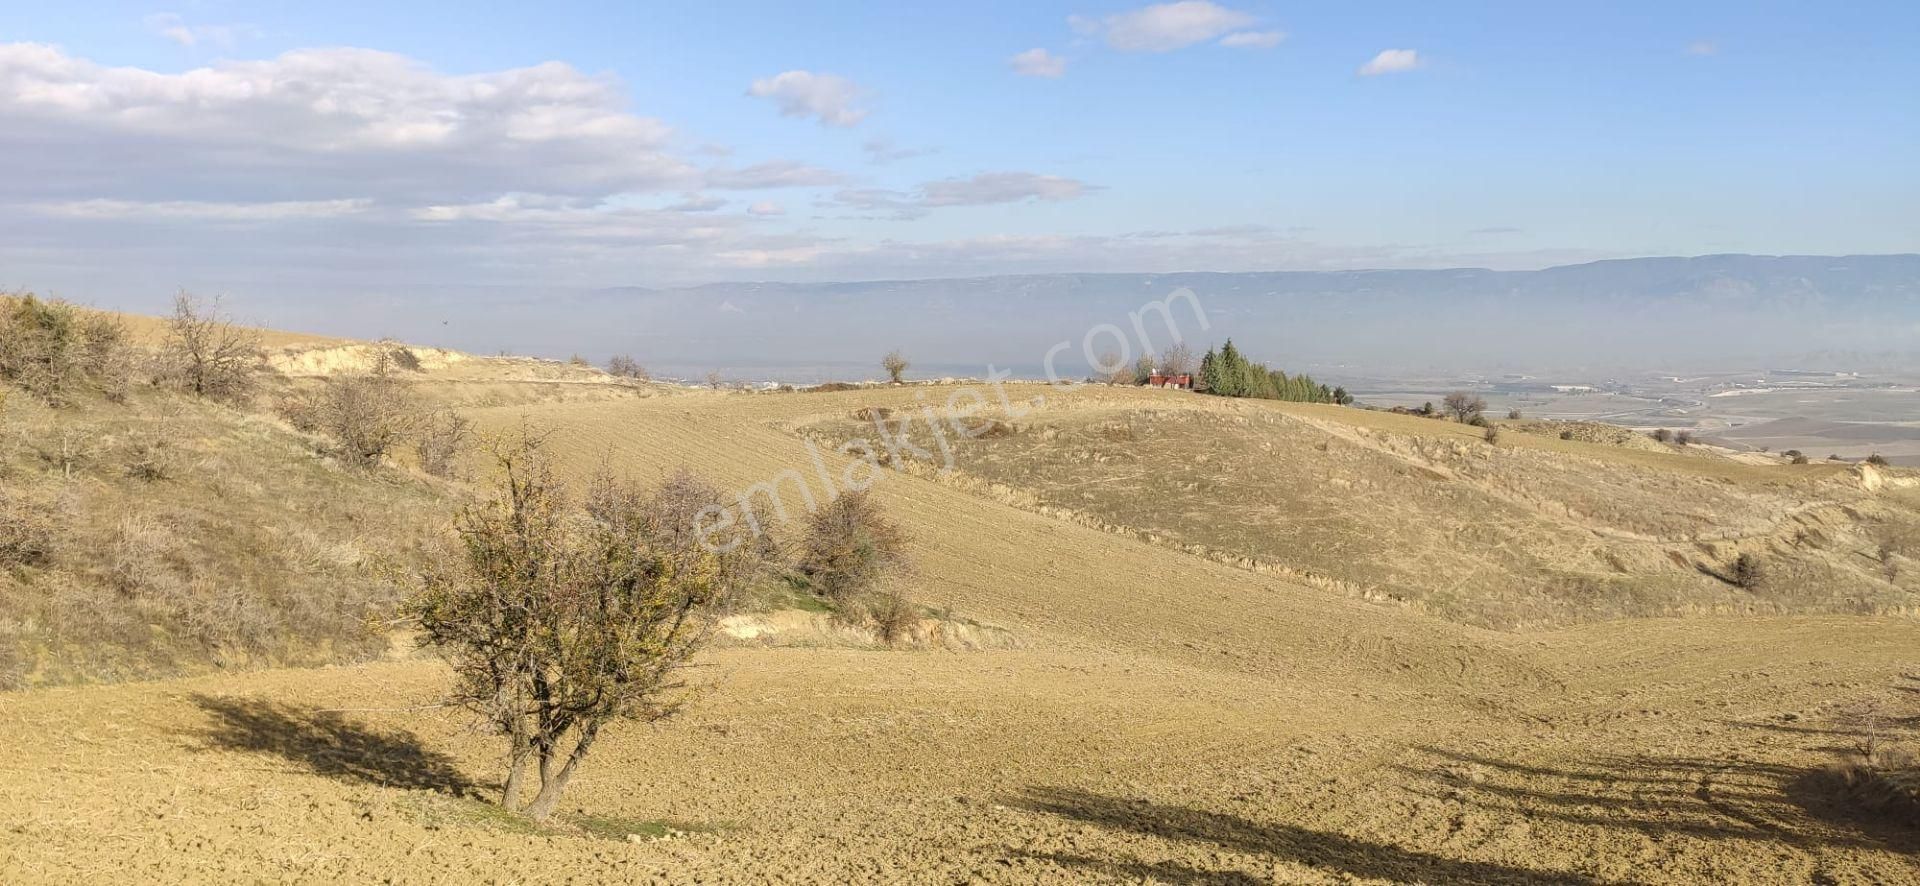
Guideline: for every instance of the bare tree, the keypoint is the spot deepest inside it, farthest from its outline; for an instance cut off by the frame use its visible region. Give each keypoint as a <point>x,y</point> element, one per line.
<point>1177,359</point>
<point>1115,372</point>
<point>1464,407</point>
<point>559,623</point>
<point>213,357</point>
<point>895,363</point>
<point>714,380</point>
<point>626,367</point>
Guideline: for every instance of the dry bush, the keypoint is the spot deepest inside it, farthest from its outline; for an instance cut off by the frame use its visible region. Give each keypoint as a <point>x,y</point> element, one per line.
<point>209,355</point>
<point>560,622</point>
<point>368,416</point>
<point>1663,435</point>
<point>29,529</point>
<point>896,365</point>
<point>1683,438</point>
<point>1877,460</point>
<point>893,614</point>
<point>147,456</point>
<point>849,548</point>
<point>402,357</point>
<point>624,366</point>
<point>1463,406</point>
<point>48,348</point>
<point>1748,572</point>
<point>1492,434</point>
<point>442,438</point>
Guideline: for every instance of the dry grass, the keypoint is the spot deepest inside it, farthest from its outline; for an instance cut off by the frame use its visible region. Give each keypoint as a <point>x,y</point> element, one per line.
<point>167,535</point>
<point>1534,531</point>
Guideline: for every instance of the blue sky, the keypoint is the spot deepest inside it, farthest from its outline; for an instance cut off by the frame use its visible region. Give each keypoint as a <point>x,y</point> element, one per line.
<point>234,145</point>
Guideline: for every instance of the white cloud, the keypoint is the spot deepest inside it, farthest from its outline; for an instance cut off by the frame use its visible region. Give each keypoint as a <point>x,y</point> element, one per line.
<point>771,174</point>
<point>828,98</point>
<point>1038,62</point>
<point>980,190</point>
<point>881,151</point>
<point>1253,39</point>
<point>766,209</point>
<point>697,203</point>
<point>191,210</point>
<point>319,124</point>
<point>1392,61</point>
<point>1163,27</point>
<point>172,27</point>
<point>1703,47</point>
<point>1000,187</point>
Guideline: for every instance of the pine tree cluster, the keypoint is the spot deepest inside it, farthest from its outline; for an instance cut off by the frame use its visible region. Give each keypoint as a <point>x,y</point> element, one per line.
<point>1228,373</point>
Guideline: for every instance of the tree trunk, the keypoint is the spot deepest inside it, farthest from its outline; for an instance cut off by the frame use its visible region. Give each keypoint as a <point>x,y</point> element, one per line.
<point>516,776</point>
<point>553,784</point>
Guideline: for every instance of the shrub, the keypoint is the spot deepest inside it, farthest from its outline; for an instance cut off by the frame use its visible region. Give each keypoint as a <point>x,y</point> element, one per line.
<point>403,357</point>
<point>148,458</point>
<point>47,347</point>
<point>558,624</point>
<point>27,531</point>
<point>1492,434</point>
<point>366,415</point>
<point>1793,453</point>
<point>210,355</point>
<point>1748,572</point>
<point>442,438</point>
<point>1684,438</point>
<point>1663,435</point>
<point>1566,435</point>
<point>1464,407</point>
<point>895,363</point>
<point>849,547</point>
<point>624,366</point>
<point>1799,459</point>
<point>1877,460</point>
<point>1513,415</point>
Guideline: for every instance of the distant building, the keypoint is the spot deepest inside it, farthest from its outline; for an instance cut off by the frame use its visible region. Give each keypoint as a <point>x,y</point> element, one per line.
<point>1183,381</point>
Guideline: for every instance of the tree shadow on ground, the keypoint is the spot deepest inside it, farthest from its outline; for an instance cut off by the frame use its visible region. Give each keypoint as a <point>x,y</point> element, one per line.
<point>329,744</point>
<point>1280,842</point>
<point>1662,796</point>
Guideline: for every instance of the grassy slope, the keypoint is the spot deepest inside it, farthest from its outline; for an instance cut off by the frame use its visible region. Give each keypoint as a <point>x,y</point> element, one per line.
<point>188,536</point>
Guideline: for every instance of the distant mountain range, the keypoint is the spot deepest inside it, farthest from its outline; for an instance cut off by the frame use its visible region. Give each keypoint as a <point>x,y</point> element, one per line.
<point>1645,313</point>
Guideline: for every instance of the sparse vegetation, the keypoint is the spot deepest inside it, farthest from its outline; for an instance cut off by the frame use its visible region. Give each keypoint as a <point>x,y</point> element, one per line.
<point>208,354</point>
<point>1877,460</point>
<point>1662,435</point>
<point>1463,406</point>
<point>367,415</point>
<point>561,621</point>
<point>50,349</point>
<point>1683,438</point>
<point>1748,572</point>
<point>895,363</point>
<point>848,552</point>
<point>442,437</point>
<point>623,366</point>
